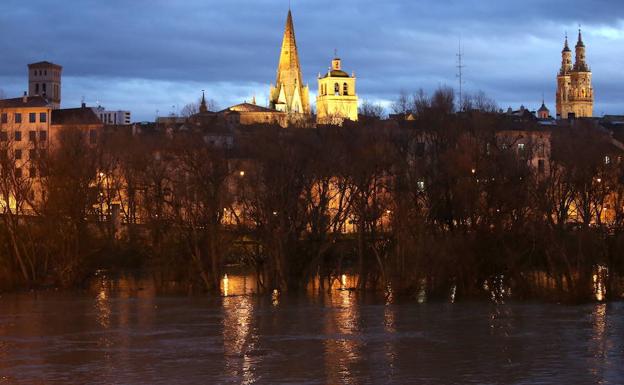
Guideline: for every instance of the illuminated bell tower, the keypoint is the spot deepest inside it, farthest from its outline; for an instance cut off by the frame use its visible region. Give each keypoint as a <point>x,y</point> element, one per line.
<point>575,94</point>
<point>337,99</point>
<point>564,81</point>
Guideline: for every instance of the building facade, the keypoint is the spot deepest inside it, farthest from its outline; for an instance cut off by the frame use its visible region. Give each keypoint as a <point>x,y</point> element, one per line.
<point>113,117</point>
<point>289,93</point>
<point>575,95</point>
<point>337,98</point>
<point>44,79</point>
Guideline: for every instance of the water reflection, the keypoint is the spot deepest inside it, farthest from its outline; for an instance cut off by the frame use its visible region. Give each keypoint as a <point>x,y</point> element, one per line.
<point>122,332</point>
<point>342,346</point>
<point>599,321</point>
<point>600,279</point>
<point>239,338</point>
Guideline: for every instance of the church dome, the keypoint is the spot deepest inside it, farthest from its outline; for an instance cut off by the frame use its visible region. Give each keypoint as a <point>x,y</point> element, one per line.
<point>337,74</point>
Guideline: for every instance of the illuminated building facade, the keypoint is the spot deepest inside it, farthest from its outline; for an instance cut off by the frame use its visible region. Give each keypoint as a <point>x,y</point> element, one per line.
<point>289,93</point>
<point>575,95</point>
<point>337,99</point>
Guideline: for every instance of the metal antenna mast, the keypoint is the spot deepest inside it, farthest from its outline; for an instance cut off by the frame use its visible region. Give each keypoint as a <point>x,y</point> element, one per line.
<point>460,74</point>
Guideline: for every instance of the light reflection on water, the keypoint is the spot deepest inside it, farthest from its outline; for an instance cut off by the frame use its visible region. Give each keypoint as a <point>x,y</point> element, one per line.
<point>123,331</point>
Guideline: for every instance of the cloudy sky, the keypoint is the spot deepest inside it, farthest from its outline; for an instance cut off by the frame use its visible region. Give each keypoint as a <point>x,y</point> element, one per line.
<point>155,56</point>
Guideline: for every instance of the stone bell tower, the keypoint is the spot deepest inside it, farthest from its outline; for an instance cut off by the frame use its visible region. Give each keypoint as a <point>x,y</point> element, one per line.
<point>575,94</point>
<point>337,99</point>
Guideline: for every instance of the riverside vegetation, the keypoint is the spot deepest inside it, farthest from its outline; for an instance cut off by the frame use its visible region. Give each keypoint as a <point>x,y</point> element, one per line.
<point>444,203</point>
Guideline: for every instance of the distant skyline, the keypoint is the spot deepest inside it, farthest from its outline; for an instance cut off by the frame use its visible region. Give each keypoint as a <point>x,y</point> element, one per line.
<point>157,55</point>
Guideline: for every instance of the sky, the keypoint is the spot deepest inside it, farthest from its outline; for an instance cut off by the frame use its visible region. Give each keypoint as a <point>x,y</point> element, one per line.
<point>153,57</point>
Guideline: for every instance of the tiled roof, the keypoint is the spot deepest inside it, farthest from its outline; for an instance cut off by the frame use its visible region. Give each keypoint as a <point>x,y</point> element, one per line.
<point>75,116</point>
<point>31,101</point>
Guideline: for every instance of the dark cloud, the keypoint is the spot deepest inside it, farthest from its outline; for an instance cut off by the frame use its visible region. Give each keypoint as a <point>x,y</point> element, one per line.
<point>149,55</point>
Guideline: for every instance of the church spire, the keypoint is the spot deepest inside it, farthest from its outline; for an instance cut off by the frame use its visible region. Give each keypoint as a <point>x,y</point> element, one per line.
<point>203,108</point>
<point>289,94</point>
<point>566,47</point>
<point>580,39</point>
<point>581,64</point>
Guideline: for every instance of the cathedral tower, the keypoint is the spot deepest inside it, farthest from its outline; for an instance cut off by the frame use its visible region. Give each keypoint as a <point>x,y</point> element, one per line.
<point>337,99</point>
<point>289,94</point>
<point>575,95</point>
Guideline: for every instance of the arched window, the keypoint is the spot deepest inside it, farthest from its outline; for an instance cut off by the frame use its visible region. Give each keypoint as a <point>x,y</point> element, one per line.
<point>345,89</point>
<point>336,89</point>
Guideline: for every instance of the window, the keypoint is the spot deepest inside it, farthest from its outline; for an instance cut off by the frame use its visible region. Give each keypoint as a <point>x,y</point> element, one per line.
<point>32,172</point>
<point>541,166</point>
<point>43,117</point>
<point>18,136</point>
<point>345,89</point>
<point>32,154</point>
<point>607,159</point>
<point>37,89</point>
<point>336,89</point>
<point>18,172</point>
<point>18,154</point>
<point>43,136</point>
<point>43,87</point>
<point>3,136</point>
<point>4,118</point>
<point>520,146</point>
<point>32,136</point>
<point>421,185</point>
<point>18,117</point>
<point>32,117</point>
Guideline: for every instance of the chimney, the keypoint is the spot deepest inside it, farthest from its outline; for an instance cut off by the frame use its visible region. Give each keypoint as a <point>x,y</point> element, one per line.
<point>83,105</point>
<point>25,97</point>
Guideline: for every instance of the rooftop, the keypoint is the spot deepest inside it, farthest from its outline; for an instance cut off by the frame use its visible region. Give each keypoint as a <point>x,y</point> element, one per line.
<point>24,102</point>
<point>81,115</point>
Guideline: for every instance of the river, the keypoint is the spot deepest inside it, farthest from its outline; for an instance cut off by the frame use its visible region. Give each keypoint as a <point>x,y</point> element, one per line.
<point>123,332</point>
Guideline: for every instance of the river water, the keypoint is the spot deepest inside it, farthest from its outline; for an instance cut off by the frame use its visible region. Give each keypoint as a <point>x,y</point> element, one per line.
<point>123,332</point>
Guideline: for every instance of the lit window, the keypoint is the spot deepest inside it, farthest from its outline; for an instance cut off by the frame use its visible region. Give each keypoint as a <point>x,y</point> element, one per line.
<point>607,159</point>
<point>520,146</point>
<point>421,185</point>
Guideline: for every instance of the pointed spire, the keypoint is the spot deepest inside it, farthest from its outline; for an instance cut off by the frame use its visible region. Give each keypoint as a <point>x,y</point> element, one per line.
<point>289,71</point>
<point>580,39</point>
<point>203,108</point>
<point>566,47</point>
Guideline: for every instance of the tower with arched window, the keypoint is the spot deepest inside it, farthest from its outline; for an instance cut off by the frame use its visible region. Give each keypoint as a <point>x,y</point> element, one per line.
<point>575,94</point>
<point>337,99</point>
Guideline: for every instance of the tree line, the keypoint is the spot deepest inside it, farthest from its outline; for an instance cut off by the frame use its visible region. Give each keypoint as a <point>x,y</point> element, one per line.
<point>450,202</point>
